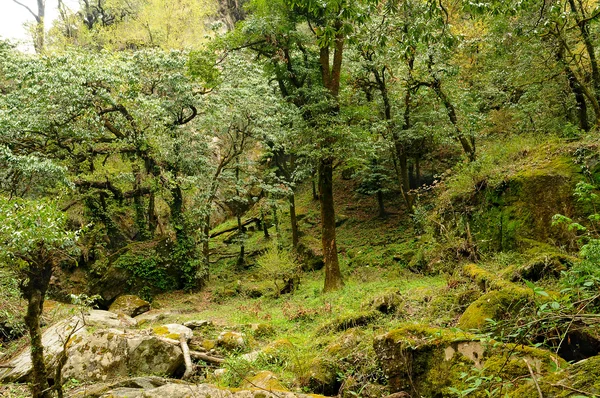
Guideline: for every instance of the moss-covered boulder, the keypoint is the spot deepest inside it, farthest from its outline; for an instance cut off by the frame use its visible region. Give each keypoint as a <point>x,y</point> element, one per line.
<point>581,379</point>
<point>263,380</point>
<point>427,361</point>
<point>543,266</point>
<point>345,322</point>
<point>496,305</point>
<point>110,354</point>
<point>231,340</point>
<point>173,331</point>
<point>129,305</point>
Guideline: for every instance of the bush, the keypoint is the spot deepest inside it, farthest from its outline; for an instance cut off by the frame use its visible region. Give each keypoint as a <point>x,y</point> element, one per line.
<point>278,265</point>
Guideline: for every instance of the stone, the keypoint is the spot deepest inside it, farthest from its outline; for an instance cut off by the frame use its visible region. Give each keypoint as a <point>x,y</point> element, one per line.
<point>110,354</point>
<point>197,324</point>
<point>152,316</point>
<point>263,380</point>
<point>262,330</point>
<point>173,331</point>
<point>428,360</point>
<point>129,305</point>
<point>231,340</point>
<point>251,356</point>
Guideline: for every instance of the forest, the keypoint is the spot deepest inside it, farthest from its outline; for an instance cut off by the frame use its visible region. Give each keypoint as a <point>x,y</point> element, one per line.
<point>301,198</point>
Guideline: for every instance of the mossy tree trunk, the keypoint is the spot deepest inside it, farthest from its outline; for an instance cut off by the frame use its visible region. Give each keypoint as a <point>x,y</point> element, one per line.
<point>34,291</point>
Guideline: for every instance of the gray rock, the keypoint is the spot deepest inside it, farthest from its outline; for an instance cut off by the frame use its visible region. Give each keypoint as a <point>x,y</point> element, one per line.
<point>129,305</point>
<point>197,324</point>
<point>173,331</point>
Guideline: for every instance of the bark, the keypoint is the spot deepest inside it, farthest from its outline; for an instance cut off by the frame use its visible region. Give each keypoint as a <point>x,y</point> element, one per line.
<point>468,143</point>
<point>576,90</point>
<point>380,204</point>
<point>294,221</point>
<point>34,292</point>
<point>333,276</point>
<point>582,22</point>
<point>240,261</point>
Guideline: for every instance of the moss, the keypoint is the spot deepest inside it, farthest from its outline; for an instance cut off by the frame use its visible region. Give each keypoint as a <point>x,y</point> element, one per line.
<point>164,331</point>
<point>495,305</point>
<point>349,321</point>
<point>263,380</point>
<point>484,279</point>
<point>428,360</point>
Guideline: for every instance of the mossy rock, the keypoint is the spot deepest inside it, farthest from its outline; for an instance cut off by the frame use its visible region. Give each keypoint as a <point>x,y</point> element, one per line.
<point>322,377</point>
<point>231,340</point>
<point>173,331</point>
<point>485,279</point>
<point>262,330</point>
<point>386,303</point>
<point>580,379</point>
<point>544,266</point>
<point>263,380</point>
<point>496,305</point>
<point>426,361</point>
<point>349,321</point>
<point>129,305</point>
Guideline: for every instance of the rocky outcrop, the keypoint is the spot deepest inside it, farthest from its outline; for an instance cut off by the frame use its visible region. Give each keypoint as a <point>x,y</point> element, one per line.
<point>53,339</point>
<point>129,305</point>
<point>102,346</point>
<point>427,361</point>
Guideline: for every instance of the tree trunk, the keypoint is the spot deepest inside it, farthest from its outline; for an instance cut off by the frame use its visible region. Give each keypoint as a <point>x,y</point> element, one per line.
<point>582,22</point>
<point>468,143</point>
<point>333,276</point>
<point>294,221</point>
<point>34,292</point>
<point>381,205</point>
<point>240,261</point>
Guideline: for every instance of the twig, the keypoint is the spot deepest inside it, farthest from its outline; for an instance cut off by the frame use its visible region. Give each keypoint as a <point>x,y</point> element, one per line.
<point>572,389</point>
<point>206,358</point>
<point>537,386</point>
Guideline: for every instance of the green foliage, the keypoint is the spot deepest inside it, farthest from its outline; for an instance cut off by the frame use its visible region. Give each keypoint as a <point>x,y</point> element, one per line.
<point>278,265</point>
<point>31,228</point>
<point>149,271</point>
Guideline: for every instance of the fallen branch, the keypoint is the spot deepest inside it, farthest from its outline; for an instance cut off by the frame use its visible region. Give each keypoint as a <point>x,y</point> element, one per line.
<point>189,368</point>
<point>537,386</point>
<point>247,222</point>
<point>206,358</point>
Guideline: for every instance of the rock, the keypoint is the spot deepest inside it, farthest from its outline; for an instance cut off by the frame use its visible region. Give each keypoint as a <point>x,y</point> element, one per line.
<point>547,265</point>
<point>231,340</point>
<point>173,331</point>
<point>109,354</point>
<point>387,303</point>
<point>129,305</point>
<point>583,376</point>
<point>19,368</point>
<point>251,356</point>
<point>219,373</point>
<point>107,319</point>
<point>349,321</point>
<point>197,324</point>
<point>262,330</point>
<point>263,380</point>
<point>495,305</point>
<point>428,360</point>
<point>152,316</point>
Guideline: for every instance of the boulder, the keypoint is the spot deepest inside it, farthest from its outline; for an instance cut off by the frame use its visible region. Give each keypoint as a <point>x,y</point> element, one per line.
<point>129,305</point>
<point>197,324</point>
<point>53,339</point>
<point>263,380</point>
<point>156,387</point>
<point>110,354</point>
<point>231,340</point>
<point>173,331</point>
<point>426,361</point>
<point>496,305</point>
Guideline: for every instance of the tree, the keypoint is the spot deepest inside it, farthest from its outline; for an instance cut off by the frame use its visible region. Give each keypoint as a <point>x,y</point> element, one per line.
<point>33,239</point>
<point>39,30</point>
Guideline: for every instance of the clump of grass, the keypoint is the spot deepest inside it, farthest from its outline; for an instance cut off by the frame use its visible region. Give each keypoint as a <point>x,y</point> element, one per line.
<point>279,266</point>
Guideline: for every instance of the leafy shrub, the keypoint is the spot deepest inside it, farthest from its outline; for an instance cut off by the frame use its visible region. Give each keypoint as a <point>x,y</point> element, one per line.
<point>279,266</point>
